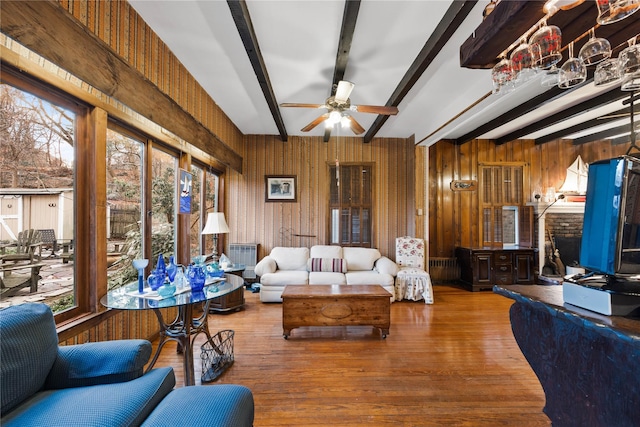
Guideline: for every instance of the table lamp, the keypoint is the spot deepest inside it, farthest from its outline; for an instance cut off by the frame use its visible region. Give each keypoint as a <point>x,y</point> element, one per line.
<point>215,225</point>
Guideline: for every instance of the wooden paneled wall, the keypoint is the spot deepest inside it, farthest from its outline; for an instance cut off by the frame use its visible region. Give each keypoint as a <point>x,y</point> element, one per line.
<point>453,216</point>
<point>252,220</point>
<point>118,25</point>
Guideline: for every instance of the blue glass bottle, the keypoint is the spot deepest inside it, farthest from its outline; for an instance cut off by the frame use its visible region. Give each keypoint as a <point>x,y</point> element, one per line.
<point>172,269</point>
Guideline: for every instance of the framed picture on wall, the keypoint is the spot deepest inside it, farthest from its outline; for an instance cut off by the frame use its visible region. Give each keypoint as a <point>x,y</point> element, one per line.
<point>280,188</point>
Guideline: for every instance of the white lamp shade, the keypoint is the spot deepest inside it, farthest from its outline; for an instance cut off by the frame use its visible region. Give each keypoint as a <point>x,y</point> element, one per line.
<point>216,224</point>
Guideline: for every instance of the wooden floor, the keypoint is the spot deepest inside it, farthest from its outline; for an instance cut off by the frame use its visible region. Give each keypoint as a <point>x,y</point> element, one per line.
<point>453,363</point>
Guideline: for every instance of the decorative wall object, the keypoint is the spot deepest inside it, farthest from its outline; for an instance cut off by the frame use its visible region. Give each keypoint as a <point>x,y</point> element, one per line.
<point>184,187</point>
<point>280,188</point>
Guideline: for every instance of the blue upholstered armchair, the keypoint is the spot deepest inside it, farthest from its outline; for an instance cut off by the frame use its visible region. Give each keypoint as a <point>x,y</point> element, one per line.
<point>98,384</point>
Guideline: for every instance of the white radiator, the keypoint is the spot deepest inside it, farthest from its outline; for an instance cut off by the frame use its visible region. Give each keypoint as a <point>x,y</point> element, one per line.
<point>247,254</point>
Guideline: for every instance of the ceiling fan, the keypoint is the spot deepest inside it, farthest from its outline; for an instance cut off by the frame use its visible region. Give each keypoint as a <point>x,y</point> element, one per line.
<point>339,108</point>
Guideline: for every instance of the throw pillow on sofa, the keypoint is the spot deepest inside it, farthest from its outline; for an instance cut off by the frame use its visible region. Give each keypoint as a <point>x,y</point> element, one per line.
<point>333,265</point>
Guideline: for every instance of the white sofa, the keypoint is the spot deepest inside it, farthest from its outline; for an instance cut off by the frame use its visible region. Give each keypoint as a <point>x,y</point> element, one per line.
<point>323,264</point>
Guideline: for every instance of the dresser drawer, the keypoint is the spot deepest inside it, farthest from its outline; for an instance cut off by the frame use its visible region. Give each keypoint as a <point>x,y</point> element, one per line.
<point>503,268</point>
<point>502,258</point>
<point>503,279</point>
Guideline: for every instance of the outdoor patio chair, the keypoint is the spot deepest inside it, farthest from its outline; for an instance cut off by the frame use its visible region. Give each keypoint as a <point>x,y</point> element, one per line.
<point>49,240</point>
<point>28,247</point>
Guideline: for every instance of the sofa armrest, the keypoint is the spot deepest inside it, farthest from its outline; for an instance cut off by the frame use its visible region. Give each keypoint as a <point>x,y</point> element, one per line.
<point>385,265</point>
<point>265,266</point>
<point>94,363</point>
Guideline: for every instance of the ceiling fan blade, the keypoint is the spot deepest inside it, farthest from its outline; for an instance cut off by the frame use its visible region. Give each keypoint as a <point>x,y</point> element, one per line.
<point>293,104</point>
<point>327,133</point>
<point>376,109</point>
<point>355,126</point>
<point>343,91</point>
<point>315,123</point>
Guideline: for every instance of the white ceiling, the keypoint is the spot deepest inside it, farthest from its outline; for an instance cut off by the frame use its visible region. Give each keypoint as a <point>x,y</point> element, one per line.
<point>298,40</point>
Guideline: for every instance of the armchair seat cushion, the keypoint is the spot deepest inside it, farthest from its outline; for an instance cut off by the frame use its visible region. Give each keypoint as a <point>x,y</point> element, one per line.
<point>120,404</point>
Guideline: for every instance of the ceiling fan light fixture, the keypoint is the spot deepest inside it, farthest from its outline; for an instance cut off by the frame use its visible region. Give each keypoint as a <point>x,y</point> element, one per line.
<point>334,118</point>
<point>345,121</point>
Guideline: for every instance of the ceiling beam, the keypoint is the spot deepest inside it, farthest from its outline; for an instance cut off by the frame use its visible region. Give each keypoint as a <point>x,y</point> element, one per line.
<point>240,14</point>
<point>448,25</point>
<point>580,127</point>
<point>605,134</point>
<point>349,18</point>
<point>550,95</point>
<point>613,95</point>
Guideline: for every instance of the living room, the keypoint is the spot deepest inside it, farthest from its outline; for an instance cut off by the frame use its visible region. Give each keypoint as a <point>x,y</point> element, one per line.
<point>411,183</point>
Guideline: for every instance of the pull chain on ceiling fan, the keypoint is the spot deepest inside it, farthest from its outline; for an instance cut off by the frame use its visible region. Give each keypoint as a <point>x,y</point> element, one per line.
<point>339,108</point>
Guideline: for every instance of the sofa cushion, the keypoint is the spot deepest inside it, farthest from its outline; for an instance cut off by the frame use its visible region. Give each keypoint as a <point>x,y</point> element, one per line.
<point>283,277</point>
<point>360,259</point>
<point>335,265</point>
<point>290,258</point>
<point>222,405</point>
<point>369,278</point>
<point>28,350</point>
<point>324,278</point>
<point>120,404</point>
<point>325,251</point>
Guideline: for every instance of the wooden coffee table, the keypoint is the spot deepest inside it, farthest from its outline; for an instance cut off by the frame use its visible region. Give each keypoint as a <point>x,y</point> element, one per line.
<point>335,305</point>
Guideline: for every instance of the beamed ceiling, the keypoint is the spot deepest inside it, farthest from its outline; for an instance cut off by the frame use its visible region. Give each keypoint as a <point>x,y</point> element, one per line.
<point>430,59</point>
<point>252,56</point>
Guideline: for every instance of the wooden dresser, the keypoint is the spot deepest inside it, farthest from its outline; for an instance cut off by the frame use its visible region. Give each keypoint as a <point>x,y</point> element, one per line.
<point>481,268</point>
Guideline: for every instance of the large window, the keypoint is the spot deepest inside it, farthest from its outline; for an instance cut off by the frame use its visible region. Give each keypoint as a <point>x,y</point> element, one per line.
<point>163,204</point>
<point>125,206</point>
<point>37,187</point>
<point>350,205</point>
<point>104,192</point>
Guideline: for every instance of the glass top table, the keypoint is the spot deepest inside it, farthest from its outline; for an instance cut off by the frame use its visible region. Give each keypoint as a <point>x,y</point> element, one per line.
<point>184,327</point>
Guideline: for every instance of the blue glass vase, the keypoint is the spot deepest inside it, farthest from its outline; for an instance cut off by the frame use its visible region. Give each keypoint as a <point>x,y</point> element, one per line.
<point>197,277</point>
<point>155,280</point>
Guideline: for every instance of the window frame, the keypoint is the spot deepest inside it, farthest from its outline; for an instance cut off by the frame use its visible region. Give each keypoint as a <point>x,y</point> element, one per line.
<point>25,83</point>
<point>340,205</point>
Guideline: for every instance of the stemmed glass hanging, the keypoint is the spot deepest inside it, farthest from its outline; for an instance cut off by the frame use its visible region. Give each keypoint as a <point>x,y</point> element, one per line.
<point>523,60</point>
<point>550,77</point>
<point>610,11</point>
<point>595,50</point>
<point>573,72</point>
<point>607,72</point>
<point>503,76</point>
<point>546,44</point>
<point>630,66</point>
